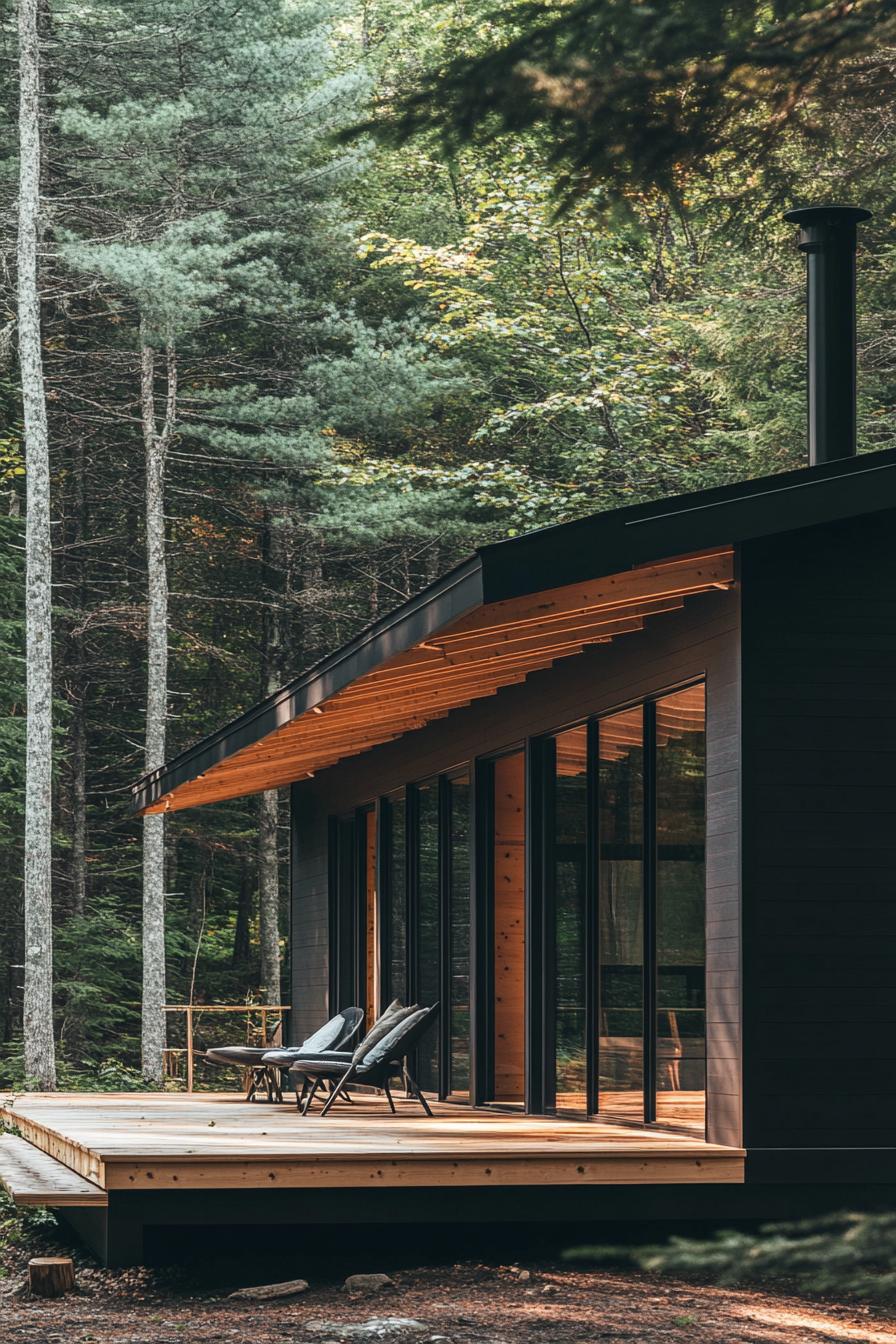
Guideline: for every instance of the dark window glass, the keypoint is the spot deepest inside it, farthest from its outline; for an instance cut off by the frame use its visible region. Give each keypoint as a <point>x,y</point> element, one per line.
<point>566,849</point>
<point>681,909</point>
<point>621,915</point>
<point>428,941</point>
<point>371,926</point>
<point>398,913</point>
<point>459,924</point>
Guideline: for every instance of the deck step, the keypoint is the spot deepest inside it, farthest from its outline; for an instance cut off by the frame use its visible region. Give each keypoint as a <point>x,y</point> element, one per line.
<point>33,1177</point>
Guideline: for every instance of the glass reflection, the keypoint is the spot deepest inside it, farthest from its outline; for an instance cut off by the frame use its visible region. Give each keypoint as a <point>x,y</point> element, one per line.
<point>568,857</point>
<point>681,909</point>
<point>397,893</point>
<point>459,925</point>
<point>428,927</point>
<point>621,915</point>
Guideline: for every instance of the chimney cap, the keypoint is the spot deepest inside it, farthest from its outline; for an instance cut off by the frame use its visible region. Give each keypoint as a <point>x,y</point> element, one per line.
<point>808,215</point>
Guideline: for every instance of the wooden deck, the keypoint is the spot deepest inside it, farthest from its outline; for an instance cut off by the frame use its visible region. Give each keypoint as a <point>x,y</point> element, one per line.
<point>170,1141</point>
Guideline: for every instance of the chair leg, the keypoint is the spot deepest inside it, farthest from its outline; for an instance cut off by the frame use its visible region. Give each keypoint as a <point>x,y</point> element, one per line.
<point>312,1092</point>
<point>301,1093</point>
<point>389,1096</point>
<point>337,1091</point>
<point>415,1090</point>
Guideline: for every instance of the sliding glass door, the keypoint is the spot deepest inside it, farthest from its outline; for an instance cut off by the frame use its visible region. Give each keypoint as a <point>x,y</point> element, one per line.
<point>620,884</point>
<point>427,967</point>
<point>651,895</point>
<point>457,879</point>
<point>681,909</point>
<point>623,839</point>
<point>424,919</point>
<point>566,869</point>
<point>393,831</point>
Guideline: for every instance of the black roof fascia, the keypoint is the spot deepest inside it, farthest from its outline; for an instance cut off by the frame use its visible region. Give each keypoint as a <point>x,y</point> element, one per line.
<point>607,543</point>
<point>451,596</point>
<point>587,548</point>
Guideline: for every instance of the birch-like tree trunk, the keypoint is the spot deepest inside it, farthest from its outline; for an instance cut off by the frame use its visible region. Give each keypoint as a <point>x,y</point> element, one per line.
<point>40,1059</point>
<point>268,803</point>
<point>156,441</point>
<point>269,896</point>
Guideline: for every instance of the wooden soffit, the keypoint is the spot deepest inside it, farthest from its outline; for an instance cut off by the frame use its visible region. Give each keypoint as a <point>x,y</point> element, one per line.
<point>497,644</point>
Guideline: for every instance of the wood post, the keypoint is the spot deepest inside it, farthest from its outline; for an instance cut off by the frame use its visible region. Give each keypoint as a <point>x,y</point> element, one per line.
<point>190,1048</point>
<point>51,1275</point>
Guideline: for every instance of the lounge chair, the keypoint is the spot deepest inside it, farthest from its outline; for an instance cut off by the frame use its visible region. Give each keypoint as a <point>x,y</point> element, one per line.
<point>291,1057</point>
<point>373,1064</point>
<point>266,1074</point>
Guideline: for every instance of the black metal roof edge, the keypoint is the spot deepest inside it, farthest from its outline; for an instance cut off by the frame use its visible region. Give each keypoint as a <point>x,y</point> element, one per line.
<point>444,600</point>
<point>605,543</point>
<point>585,548</point>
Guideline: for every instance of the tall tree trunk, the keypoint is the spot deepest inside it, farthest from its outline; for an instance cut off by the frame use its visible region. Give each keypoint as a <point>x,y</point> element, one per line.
<point>268,803</point>
<point>40,1055</point>
<point>78,764</point>
<point>156,442</point>
<point>240,957</point>
<point>78,696</point>
<point>269,896</point>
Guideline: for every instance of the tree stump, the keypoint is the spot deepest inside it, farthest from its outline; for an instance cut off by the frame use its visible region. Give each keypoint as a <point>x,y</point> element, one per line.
<point>51,1275</point>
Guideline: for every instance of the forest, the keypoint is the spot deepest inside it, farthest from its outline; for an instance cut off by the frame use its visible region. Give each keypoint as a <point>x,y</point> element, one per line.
<point>327,294</point>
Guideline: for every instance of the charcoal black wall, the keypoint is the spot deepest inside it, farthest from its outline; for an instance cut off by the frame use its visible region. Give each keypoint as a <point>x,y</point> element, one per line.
<point>819,851</point>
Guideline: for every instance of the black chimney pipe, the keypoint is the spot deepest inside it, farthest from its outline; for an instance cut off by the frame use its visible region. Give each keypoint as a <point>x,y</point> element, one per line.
<point>828,237</point>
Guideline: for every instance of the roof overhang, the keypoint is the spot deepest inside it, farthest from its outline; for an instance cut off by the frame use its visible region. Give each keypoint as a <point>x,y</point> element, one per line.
<point>419,668</point>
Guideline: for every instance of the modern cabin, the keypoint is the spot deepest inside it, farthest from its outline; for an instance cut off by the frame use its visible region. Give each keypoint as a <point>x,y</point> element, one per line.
<point>619,796</point>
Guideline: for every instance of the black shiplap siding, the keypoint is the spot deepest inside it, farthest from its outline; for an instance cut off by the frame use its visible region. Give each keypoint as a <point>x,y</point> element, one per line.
<point>819,797</point>
<point>700,640</point>
<point>310,914</point>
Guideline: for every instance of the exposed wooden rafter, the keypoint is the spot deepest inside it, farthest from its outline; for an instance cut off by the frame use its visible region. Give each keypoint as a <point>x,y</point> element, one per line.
<point>499,644</point>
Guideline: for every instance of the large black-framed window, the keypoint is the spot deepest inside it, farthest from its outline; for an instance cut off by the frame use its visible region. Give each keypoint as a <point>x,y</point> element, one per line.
<point>552,899</point>
<point>411,856</point>
<point>618,849</point>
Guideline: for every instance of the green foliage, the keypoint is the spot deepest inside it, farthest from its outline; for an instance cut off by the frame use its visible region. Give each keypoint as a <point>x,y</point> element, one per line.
<point>22,1232</point>
<point>844,1254</point>
<point>387,355</point>
<point>632,96</point>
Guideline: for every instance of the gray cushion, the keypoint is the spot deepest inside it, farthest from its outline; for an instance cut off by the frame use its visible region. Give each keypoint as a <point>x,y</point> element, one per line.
<point>329,1059</point>
<point>283,1056</point>
<point>327,1035</point>
<point>389,1020</point>
<point>241,1056</point>
<point>384,1049</point>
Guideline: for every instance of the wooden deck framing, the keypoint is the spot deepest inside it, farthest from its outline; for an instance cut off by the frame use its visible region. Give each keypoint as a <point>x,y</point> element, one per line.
<point>169,1141</point>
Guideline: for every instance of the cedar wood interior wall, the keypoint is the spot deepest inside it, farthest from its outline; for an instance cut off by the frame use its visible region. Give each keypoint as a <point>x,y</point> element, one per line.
<point>510,928</point>
<point>819,825</point>
<point>701,639</point>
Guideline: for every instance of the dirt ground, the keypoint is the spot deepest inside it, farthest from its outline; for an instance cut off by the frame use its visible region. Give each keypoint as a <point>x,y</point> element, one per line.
<point>460,1304</point>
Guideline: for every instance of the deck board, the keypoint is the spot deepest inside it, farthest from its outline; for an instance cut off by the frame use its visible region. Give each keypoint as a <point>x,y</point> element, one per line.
<point>31,1176</point>
<point>173,1141</point>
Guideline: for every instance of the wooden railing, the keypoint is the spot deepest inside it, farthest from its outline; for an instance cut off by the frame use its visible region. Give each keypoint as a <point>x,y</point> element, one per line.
<point>247,1010</point>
